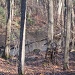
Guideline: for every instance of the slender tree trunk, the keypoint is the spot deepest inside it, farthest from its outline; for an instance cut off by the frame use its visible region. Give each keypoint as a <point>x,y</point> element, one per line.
<point>8,29</point>
<point>50,27</point>
<point>12,10</point>
<point>67,32</point>
<point>72,26</point>
<point>59,18</point>
<point>62,24</point>
<point>50,20</point>
<point>59,12</point>
<point>59,8</point>
<point>22,38</point>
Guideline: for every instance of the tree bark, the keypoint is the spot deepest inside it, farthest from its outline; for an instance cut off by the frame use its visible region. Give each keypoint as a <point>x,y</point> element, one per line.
<point>12,10</point>
<point>22,39</point>
<point>62,25</point>
<point>67,32</point>
<point>50,28</point>
<point>8,29</point>
<point>50,20</point>
<point>72,26</point>
<point>59,12</point>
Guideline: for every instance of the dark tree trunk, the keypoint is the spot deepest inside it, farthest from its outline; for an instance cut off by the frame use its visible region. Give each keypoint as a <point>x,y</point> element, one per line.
<point>22,39</point>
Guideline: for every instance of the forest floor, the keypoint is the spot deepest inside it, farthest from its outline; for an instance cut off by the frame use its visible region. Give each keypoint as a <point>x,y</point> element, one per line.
<point>35,65</point>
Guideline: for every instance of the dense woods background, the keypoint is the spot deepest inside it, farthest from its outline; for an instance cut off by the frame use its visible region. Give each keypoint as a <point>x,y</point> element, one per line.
<point>27,29</point>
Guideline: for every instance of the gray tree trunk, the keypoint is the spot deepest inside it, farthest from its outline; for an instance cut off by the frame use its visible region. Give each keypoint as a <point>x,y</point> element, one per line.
<point>8,29</point>
<point>62,31</point>
<point>50,20</point>
<point>59,12</point>
<point>67,32</point>
<point>22,38</point>
<point>12,9</point>
<point>72,26</point>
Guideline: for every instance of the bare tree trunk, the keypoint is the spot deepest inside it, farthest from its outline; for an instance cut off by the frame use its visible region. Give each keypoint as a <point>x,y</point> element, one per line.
<point>72,26</point>
<point>59,12</point>
<point>59,18</point>
<point>22,38</point>
<point>67,37</point>
<point>62,25</point>
<point>59,8</point>
<point>50,20</point>
<point>8,29</point>
<point>12,10</point>
<point>50,28</point>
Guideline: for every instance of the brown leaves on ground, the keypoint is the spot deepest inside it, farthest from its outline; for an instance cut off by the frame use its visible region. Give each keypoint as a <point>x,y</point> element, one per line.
<point>7,68</point>
<point>35,65</point>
